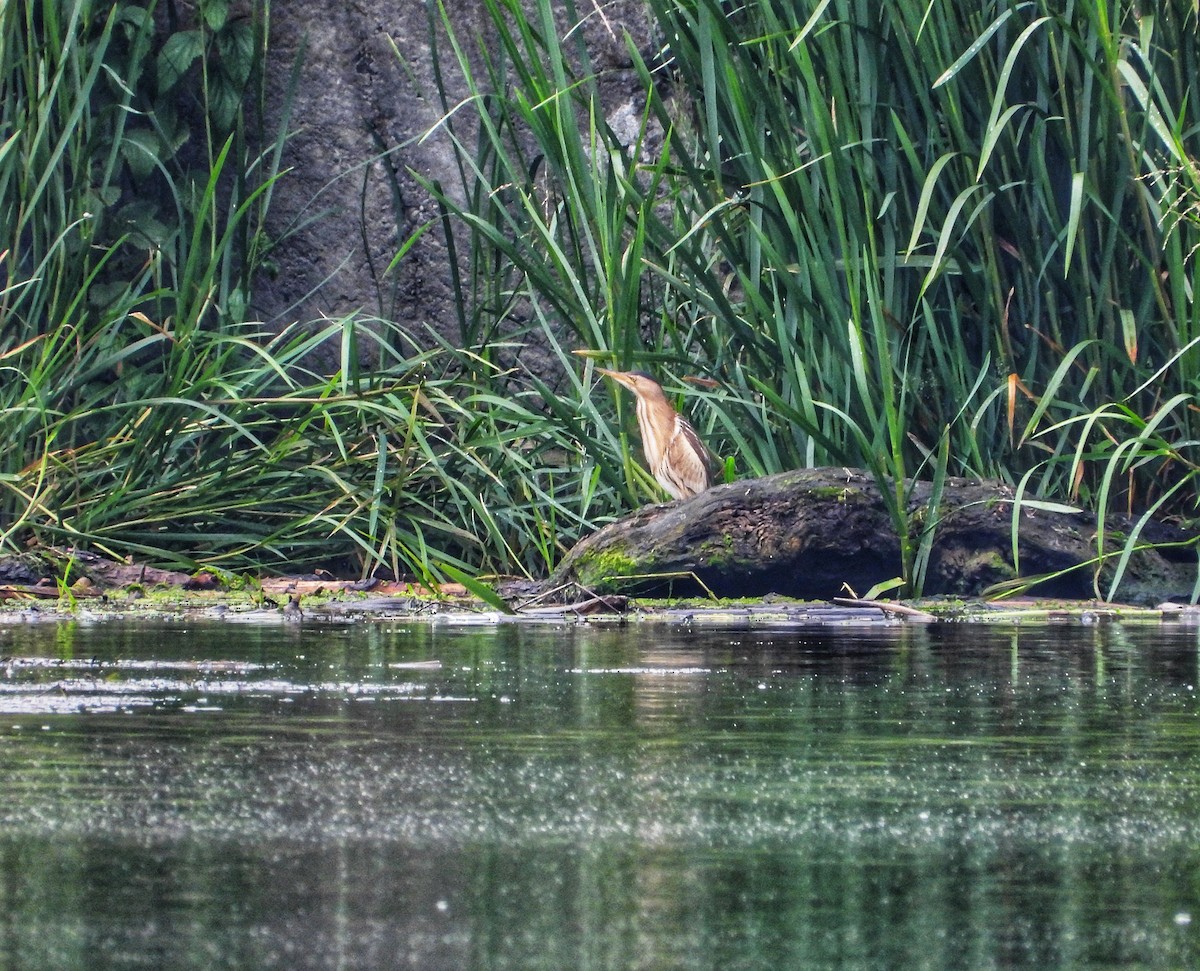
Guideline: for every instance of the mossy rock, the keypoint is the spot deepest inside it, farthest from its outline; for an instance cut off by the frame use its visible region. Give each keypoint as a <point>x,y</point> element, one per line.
<point>813,533</point>
<point>67,566</point>
<point>25,568</point>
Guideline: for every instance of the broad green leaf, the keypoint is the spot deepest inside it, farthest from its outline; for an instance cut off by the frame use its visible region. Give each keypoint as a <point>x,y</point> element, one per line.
<point>216,13</point>
<point>141,149</point>
<point>178,54</point>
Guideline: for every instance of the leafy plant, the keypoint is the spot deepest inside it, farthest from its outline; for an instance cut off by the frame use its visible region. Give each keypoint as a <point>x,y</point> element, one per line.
<point>143,415</point>
<point>130,226</point>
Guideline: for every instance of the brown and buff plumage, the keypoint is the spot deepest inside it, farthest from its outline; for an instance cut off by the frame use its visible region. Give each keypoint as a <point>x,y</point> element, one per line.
<point>674,452</point>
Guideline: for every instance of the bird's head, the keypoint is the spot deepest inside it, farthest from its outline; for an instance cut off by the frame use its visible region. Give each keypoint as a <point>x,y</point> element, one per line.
<point>639,382</point>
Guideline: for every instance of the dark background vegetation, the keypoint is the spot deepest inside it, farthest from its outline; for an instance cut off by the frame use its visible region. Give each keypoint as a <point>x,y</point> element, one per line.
<point>912,238</point>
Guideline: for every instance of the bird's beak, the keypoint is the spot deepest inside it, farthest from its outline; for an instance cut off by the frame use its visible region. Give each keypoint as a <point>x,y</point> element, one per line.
<point>621,377</point>
<point>592,355</point>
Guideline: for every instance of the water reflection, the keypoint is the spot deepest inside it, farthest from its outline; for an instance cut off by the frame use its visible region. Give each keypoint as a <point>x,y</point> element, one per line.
<point>387,795</point>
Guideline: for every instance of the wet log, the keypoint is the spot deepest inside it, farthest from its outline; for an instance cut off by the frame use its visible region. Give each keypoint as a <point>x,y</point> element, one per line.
<point>820,533</point>
<point>50,566</point>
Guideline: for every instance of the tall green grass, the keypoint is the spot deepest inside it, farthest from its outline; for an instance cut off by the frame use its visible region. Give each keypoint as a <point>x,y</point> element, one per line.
<point>143,414</point>
<point>260,460</point>
<point>924,239</point>
<point>131,231</point>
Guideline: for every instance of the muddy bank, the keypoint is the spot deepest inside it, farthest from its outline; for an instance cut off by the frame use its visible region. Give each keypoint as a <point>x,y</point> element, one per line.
<point>51,584</point>
<point>30,592</point>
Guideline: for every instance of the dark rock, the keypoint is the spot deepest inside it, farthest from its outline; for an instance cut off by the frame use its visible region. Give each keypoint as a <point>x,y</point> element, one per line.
<point>68,566</point>
<point>365,133</point>
<point>813,533</point>
<point>23,568</point>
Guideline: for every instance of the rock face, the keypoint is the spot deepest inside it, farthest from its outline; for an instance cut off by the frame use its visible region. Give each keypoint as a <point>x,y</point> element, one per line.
<point>808,533</point>
<point>351,197</point>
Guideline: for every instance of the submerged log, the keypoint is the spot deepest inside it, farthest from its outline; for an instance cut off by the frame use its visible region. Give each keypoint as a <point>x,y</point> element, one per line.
<point>816,533</point>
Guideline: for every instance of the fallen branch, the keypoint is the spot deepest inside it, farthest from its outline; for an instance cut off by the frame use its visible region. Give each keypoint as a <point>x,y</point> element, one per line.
<point>615,604</point>
<point>902,610</point>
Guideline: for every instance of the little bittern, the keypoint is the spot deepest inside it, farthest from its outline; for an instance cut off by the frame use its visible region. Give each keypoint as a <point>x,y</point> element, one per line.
<point>673,450</point>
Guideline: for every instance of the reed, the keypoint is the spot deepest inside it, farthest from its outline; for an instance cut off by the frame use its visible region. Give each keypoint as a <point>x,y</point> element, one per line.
<point>144,414</point>
<point>925,240</point>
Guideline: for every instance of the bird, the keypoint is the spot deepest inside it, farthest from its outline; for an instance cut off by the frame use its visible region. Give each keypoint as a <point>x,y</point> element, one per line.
<point>676,456</point>
<point>292,613</point>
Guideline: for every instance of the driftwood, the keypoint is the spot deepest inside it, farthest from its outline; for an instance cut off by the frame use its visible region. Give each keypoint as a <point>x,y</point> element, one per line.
<point>894,609</point>
<point>821,533</point>
<point>40,574</point>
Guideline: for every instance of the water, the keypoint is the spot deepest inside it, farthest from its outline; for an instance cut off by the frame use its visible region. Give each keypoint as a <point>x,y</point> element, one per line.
<point>388,795</point>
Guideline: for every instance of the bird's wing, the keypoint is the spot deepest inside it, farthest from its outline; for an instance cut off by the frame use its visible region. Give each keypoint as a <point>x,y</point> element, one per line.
<point>685,462</point>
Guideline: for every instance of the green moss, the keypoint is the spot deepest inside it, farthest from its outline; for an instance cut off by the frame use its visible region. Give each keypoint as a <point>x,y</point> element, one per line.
<point>995,561</point>
<point>596,569</point>
<point>840,493</point>
<point>720,554</point>
<point>990,566</point>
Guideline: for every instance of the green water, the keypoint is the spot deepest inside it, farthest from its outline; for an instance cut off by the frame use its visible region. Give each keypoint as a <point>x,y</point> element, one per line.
<point>387,795</point>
